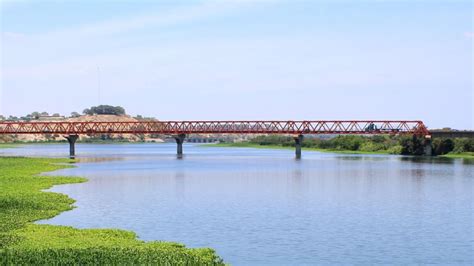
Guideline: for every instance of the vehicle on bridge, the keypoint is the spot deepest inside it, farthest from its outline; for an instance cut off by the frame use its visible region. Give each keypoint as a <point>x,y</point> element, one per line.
<point>373,128</point>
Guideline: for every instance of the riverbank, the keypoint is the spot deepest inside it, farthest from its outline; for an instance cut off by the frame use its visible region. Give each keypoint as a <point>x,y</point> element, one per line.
<point>8,145</point>
<point>463,155</point>
<point>280,147</point>
<point>23,201</point>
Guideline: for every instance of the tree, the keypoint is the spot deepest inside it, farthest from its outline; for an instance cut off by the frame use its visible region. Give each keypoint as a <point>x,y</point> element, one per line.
<point>463,145</point>
<point>412,146</point>
<point>75,114</point>
<point>104,110</point>
<point>35,115</point>
<point>44,114</point>
<point>442,146</point>
<point>56,115</point>
<point>2,117</point>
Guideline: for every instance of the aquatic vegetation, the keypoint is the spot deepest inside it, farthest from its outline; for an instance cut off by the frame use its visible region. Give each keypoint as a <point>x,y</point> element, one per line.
<point>21,242</point>
<point>7,145</point>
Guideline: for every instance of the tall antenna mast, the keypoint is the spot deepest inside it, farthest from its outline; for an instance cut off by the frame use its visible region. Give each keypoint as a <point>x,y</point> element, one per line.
<point>98,86</point>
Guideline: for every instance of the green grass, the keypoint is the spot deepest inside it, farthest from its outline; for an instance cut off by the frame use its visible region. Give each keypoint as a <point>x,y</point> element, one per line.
<point>464,155</point>
<point>22,202</point>
<point>280,147</point>
<point>7,145</point>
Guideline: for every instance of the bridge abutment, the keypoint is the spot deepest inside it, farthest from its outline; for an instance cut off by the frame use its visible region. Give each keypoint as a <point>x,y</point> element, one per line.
<point>298,141</point>
<point>72,145</point>
<point>179,142</point>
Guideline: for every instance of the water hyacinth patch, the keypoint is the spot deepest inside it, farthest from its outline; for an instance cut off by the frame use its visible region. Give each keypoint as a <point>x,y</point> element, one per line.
<point>22,202</point>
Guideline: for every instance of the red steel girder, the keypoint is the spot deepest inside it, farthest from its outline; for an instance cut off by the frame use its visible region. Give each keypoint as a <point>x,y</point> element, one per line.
<point>360,127</point>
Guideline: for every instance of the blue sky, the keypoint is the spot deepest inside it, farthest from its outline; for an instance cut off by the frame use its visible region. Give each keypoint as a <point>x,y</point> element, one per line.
<point>239,60</point>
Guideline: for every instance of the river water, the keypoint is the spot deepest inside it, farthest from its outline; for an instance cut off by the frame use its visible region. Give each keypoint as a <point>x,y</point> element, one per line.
<point>263,207</point>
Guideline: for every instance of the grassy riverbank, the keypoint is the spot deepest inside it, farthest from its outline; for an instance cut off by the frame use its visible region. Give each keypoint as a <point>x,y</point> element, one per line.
<point>280,147</point>
<point>7,145</point>
<point>22,202</point>
<point>353,144</point>
<point>464,155</point>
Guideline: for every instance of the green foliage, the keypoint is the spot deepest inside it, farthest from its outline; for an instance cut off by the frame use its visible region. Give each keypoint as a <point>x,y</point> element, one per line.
<point>412,145</point>
<point>21,242</point>
<point>406,145</point>
<point>104,110</point>
<point>442,146</point>
<point>75,114</point>
<point>6,146</point>
<point>397,149</point>
<point>464,155</point>
<point>273,139</point>
<point>339,143</point>
<point>463,145</point>
<point>35,115</point>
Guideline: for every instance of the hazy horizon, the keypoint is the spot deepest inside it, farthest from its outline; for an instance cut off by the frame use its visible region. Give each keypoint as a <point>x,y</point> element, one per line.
<point>242,60</point>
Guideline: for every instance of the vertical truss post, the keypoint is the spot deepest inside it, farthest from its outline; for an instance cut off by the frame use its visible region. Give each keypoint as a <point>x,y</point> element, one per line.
<point>298,141</point>
<point>72,148</point>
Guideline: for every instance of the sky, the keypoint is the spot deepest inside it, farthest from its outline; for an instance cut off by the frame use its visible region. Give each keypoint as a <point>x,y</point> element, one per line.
<point>242,60</point>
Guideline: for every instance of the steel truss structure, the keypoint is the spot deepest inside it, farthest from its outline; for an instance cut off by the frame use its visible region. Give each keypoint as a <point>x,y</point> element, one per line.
<point>361,127</point>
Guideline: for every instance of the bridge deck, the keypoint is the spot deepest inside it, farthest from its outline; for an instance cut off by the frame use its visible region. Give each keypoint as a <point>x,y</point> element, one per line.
<point>452,133</point>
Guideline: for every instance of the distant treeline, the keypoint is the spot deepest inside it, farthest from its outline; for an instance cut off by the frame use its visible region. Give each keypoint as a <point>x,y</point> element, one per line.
<point>405,145</point>
<point>104,110</point>
<point>94,110</point>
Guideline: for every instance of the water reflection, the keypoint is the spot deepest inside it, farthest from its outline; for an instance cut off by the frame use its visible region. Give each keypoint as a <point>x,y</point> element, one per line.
<point>428,159</point>
<point>356,157</point>
<point>98,159</point>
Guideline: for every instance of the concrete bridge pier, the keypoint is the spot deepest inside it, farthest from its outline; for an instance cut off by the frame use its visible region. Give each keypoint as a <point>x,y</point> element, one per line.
<point>72,142</point>
<point>428,149</point>
<point>298,141</point>
<point>179,141</point>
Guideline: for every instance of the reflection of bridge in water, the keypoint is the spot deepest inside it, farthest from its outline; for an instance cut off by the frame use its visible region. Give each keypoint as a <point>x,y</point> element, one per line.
<point>180,129</point>
<point>203,140</point>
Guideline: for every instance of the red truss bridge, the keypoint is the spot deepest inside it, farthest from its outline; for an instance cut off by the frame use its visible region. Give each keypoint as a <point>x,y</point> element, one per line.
<point>180,129</point>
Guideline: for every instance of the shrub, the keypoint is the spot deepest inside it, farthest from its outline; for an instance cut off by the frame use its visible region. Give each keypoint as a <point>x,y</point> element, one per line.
<point>442,146</point>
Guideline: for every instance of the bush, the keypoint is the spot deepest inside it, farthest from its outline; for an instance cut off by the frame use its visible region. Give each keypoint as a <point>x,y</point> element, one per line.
<point>442,146</point>
<point>463,145</point>
<point>371,146</point>
<point>412,145</point>
<point>397,149</point>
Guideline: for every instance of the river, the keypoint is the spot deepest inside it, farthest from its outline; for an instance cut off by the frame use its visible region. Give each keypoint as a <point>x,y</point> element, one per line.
<point>257,206</point>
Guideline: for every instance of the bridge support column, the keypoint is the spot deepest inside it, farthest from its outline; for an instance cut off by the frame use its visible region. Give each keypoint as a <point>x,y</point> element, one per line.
<point>179,141</point>
<point>72,142</point>
<point>298,141</point>
<point>428,149</point>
